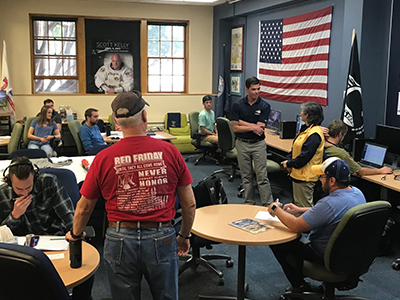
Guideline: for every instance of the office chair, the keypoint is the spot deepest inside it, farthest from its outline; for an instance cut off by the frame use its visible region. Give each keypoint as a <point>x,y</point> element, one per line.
<point>111,121</point>
<point>350,252</point>
<point>29,153</point>
<point>28,273</point>
<point>226,142</point>
<point>67,179</point>
<point>206,148</point>
<point>74,127</point>
<point>15,139</point>
<point>194,258</point>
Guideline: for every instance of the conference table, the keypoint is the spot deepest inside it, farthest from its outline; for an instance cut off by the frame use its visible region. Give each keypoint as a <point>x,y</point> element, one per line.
<point>73,277</point>
<point>4,140</point>
<point>159,135</point>
<point>212,222</point>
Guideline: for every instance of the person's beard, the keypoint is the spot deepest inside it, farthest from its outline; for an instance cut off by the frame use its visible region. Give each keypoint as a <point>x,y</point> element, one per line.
<point>93,123</point>
<point>325,187</point>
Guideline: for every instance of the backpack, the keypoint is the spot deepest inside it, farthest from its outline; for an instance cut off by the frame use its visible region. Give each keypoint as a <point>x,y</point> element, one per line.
<point>210,191</point>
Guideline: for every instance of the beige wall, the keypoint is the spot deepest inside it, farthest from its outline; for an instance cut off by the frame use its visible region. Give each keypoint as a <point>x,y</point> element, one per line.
<point>14,29</point>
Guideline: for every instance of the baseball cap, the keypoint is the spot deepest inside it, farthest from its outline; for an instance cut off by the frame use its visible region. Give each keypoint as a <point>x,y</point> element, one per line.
<point>128,104</point>
<point>333,167</point>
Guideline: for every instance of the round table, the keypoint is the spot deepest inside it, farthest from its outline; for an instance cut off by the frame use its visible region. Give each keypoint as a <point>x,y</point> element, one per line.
<point>73,277</point>
<point>212,222</point>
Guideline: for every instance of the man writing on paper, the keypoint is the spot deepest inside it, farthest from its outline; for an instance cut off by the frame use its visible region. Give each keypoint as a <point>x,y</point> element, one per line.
<point>139,178</point>
<point>320,220</point>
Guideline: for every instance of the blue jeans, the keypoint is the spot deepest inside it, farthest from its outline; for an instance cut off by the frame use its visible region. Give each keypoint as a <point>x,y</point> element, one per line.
<point>46,147</point>
<point>133,253</point>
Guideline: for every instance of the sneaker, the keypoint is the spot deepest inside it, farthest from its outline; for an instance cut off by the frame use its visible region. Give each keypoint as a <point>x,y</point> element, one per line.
<point>300,289</point>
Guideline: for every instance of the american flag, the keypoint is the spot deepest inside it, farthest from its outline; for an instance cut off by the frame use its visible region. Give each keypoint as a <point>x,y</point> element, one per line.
<point>293,57</point>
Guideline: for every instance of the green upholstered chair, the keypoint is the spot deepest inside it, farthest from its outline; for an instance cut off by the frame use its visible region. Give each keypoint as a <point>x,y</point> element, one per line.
<point>111,121</point>
<point>15,140</point>
<point>351,250</point>
<point>206,148</point>
<point>182,134</point>
<point>74,127</point>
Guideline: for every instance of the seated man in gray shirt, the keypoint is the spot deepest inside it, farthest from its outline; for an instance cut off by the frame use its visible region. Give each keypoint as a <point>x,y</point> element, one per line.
<point>320,220</point>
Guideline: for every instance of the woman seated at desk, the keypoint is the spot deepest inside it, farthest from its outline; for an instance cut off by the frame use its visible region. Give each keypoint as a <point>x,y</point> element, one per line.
<point>42,130</point>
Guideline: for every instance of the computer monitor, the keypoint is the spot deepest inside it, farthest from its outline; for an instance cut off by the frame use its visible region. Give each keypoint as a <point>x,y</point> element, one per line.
<point>299,123</point>
<point>274,120</point>
<point>388,136</point>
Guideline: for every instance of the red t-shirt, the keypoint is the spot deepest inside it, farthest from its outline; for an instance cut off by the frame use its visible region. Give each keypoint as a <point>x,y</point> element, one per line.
<point>138,178</point>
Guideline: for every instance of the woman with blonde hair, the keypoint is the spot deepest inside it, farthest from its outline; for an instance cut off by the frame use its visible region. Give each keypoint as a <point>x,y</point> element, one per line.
<point>42,131</point>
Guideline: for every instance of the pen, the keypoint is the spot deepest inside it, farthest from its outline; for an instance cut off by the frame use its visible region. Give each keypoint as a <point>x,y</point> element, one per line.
<point>57,239</point>
<point>277,200</point>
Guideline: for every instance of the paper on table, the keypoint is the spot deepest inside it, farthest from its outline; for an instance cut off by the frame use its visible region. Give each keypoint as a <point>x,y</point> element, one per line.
<point>264,215</point>
<point>48,242</point>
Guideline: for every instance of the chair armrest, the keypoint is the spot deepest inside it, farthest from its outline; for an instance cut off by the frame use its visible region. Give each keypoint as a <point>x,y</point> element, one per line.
<point>198,137</point>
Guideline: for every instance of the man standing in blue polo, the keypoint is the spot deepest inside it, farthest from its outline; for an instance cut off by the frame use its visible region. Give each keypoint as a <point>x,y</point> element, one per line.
<point>249,117</point>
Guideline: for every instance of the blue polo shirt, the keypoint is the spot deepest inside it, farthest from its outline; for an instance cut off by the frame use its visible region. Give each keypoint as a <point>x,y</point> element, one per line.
<point>258,112</point>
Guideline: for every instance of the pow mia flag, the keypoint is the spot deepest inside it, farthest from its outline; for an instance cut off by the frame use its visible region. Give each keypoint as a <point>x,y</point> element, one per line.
<point>352,112</point>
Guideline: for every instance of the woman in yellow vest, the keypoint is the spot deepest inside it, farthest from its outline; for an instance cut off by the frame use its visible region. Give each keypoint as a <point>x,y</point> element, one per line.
<point>307,150</point>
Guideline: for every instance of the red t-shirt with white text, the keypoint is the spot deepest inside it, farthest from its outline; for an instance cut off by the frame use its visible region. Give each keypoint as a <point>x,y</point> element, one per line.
<point>138,178</point>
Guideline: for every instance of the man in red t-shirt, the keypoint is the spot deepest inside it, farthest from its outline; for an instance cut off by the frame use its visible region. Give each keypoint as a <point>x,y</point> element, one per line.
<point>139,177</point>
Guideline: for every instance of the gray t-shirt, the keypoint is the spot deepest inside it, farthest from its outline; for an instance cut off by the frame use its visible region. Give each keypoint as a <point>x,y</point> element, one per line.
<point>327,213</point>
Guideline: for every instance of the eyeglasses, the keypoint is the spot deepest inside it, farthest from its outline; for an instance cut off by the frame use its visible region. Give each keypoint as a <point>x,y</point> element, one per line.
<point>320,176</point>
<point>397,177</point>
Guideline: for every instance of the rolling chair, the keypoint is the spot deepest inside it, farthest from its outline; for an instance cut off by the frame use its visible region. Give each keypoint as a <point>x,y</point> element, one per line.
<point>111,121</point>
<point>28,273</point>
<point>226,142</point>
<point>194,258</point>
<point>206,148</point>
<point>74,127</point>
<point>351,250</point>
<point>29,153</point>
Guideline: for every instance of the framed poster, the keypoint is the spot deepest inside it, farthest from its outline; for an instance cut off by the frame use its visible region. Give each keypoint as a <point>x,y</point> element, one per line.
<point>112,56</point>
<point>237,48</point>
<point>235,84</point>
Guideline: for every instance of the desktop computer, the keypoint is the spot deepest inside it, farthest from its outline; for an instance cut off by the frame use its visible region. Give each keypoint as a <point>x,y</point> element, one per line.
<point>287,129</point>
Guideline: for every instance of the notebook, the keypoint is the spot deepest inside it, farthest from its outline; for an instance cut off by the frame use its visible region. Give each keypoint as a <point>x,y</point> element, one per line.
<point>373,155</point>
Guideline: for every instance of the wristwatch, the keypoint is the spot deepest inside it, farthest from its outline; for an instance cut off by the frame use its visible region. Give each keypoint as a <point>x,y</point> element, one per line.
<point>76,237</point>
<point>274,207</point>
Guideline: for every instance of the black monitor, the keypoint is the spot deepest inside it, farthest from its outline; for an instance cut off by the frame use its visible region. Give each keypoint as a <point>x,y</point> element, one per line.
<point>299,123</point>
<point>274,119</point>
<point>388,136</point>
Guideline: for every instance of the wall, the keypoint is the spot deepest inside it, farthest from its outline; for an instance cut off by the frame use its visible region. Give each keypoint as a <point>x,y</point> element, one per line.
<point>347,14</point>
<point>14,29</point>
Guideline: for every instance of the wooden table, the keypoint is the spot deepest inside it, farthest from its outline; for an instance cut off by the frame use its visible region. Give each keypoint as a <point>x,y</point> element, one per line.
<point>73,277</point>
<point>212,222</point>
<point>160,135</point>
<point>4,141</point>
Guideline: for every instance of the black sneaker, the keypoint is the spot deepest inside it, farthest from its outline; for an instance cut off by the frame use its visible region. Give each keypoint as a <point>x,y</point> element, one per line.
<point>300,289</point>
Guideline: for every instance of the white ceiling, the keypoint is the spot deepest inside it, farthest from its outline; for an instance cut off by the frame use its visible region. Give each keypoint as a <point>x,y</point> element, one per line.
<point>181,2</point>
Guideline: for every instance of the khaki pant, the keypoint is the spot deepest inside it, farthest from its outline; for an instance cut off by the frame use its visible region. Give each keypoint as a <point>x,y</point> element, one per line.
<point>303,193</point>
<point>213,139</point>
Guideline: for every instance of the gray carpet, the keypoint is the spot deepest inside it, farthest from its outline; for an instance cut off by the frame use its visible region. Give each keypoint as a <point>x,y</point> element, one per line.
<point>263,274</point>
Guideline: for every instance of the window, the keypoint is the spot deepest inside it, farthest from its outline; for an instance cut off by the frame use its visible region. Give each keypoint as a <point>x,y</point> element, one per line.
<point>55,55</point>
<point>166,57</point>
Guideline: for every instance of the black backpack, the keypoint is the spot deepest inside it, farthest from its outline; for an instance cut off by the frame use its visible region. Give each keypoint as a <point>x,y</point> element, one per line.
<point>210,191</point>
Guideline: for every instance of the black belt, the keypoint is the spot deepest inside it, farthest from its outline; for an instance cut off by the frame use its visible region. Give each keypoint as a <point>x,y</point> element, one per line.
<point>253,141</point>
<point>138,224</point>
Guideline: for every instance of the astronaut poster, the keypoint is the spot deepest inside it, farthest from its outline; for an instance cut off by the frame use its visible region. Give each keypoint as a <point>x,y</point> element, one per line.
<point>112,61</point>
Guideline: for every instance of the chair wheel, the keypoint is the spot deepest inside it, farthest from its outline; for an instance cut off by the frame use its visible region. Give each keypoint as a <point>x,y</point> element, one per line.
<point>396,265</point>
<point>187,159</point>
<point>240,195</point>
<point>221,281</point>
<point>229,263</point>
<point>246,287</point>
<point>196,163</point>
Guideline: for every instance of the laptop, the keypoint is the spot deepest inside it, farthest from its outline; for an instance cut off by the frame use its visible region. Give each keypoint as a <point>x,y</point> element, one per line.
<point>373,155</point>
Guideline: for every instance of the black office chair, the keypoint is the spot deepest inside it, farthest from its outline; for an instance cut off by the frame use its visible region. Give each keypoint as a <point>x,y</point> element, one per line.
<point>351,250</point>
<point>28,273</point>
<point>194,258</point>
<point>206,148</point>
<point>226,142</point>
<point>29,153</point>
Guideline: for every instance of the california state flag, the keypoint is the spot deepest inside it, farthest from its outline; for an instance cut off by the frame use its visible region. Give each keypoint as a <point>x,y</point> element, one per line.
<point>5,86</point>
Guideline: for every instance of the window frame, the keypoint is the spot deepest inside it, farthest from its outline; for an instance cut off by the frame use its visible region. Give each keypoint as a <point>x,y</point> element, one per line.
<point>81,59</point>
<point>145,58</point>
